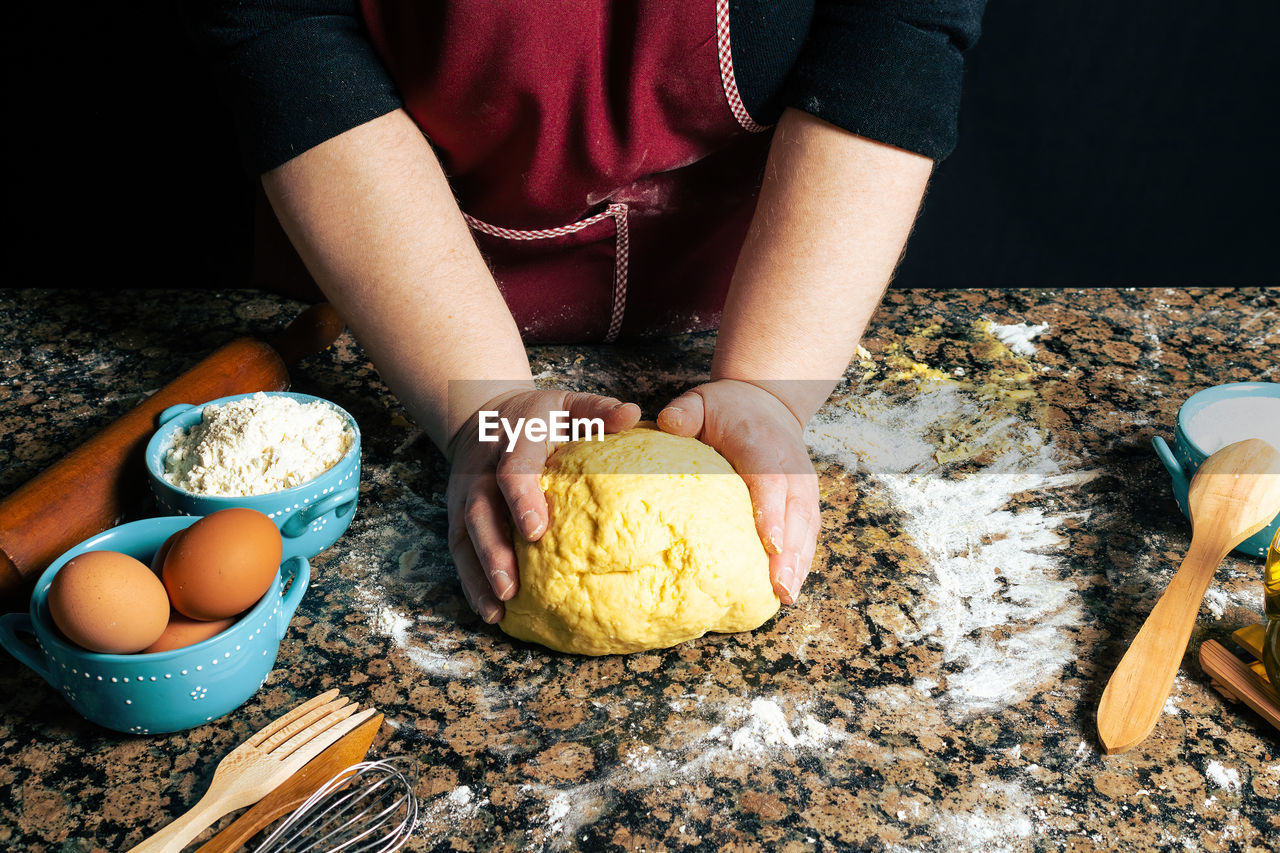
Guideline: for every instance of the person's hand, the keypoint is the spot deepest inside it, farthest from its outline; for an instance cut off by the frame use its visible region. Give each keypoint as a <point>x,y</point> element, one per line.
<point>764,442</point>
<point>491,489</point>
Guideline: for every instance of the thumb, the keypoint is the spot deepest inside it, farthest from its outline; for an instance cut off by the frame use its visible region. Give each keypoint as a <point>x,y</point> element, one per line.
<point>683,415</point>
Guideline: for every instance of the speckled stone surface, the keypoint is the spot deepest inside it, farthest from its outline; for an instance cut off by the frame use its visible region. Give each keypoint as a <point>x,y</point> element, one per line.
<point>923,694</point>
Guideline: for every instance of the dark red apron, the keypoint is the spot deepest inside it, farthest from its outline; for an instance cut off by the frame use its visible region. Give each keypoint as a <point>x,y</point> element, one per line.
<point>599,151</point>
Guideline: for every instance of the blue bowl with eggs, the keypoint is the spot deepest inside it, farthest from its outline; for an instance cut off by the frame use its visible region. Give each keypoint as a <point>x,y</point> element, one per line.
<point>160,691</point>
<point>311,516</point>
<point>1208,421</point>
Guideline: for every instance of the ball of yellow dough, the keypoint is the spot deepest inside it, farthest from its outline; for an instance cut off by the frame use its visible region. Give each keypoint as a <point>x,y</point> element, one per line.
<point>651,542</point>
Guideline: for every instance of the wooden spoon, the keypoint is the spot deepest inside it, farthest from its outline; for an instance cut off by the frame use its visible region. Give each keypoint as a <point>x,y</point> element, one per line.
<point>1234,494</point>
<point>348,750</point>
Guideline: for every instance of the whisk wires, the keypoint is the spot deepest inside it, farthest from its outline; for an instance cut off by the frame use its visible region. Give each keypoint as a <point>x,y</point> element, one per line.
<point>368,808</point>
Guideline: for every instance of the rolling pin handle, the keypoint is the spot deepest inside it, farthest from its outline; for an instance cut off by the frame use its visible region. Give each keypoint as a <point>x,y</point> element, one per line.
<point>10,626</point>
<point>312,331</point>
<point>172,412</point>
<point>1180,480</point>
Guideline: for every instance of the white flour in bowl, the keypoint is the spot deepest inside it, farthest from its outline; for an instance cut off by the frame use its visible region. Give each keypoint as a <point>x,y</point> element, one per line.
<point>257,445</point>
<point>1236,419</point>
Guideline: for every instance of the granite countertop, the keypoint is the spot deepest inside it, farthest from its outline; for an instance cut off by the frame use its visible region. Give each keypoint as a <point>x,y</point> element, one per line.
<point>995,528</point>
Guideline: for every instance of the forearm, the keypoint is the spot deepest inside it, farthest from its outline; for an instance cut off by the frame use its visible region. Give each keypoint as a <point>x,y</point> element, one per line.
<point>834,214</point>
<point>374,219</point>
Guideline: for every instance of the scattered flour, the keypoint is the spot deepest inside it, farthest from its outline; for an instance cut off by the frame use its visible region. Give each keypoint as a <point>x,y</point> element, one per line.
<point>1002,823</point>
<point>1003,827</point>
<point>1221,776</point>
<point>1018,336</point>
<point>257,445</point>
<point>459,804</point>
<point>998,605</point>
<point>1216,600</point>
<point>752,732</point>
<point>767,728</point>
<point>557,811</point>
<point>394,623</point>
<point>462,799</point>
<point>396,560</point>
<point>998,608</point>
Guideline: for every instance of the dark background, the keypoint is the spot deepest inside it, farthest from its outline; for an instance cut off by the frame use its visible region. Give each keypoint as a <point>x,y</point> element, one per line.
<point>1101,143</point>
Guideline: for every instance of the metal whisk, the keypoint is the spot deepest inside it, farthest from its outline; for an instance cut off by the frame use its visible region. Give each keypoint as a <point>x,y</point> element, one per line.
<point>368,807</point>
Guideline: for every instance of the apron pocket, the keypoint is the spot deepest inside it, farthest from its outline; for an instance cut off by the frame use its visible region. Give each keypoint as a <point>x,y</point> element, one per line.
<point>562,283</point>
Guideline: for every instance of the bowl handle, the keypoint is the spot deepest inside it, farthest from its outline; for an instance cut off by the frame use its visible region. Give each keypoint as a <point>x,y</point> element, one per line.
<point>343,500</point>
<point>172,412</point>
<point>1180,481</point>
<point>10,625</point>
<point>299,570</point>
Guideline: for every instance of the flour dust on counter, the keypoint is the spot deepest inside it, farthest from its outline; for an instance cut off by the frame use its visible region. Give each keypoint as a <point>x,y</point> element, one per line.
<point>1003,633</point>
<point>400,566</point>
<point>1018,337</point>
<point>396,560</point>
<point>751,732</point>
<point>1221,776</point>
<point>996,601</point>
<point>1234,593</point>
<point>1001,823</point>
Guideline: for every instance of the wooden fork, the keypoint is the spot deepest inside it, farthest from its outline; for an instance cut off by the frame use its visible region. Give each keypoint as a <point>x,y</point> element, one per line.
<point>269,757</point>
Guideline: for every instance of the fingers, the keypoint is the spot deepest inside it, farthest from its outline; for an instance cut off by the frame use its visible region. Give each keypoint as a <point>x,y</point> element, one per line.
<point>484,505</point>
<point>769,502</point>
<point>490,535</point>
<point>518,479</point>
<point>755,431</point>
<point>683,416</point>
<point>519,470</point>
<point>480,542</point>
<point>616,415</point>
<point>789,568</point>
<point>475,587</point>
<point>809,543</point>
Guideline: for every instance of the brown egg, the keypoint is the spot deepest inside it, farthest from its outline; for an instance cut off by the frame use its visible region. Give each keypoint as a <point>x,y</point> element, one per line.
<point>108,602</point>
<point>182,631</point>
<point>222,564</point>
<point>157,562</point>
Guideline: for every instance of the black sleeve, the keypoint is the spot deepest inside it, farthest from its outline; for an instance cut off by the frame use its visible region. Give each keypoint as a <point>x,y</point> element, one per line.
<point>889,70</point>
<point>293,73</point>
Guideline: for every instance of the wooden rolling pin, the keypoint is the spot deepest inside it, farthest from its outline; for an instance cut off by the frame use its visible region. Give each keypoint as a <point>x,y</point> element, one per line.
<point>90,489</point>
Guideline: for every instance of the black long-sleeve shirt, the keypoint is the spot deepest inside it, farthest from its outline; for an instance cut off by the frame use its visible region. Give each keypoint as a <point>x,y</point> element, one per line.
<point>300,72</point>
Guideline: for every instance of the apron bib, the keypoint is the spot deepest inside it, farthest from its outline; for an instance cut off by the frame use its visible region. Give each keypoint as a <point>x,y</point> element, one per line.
<point>599,151</point>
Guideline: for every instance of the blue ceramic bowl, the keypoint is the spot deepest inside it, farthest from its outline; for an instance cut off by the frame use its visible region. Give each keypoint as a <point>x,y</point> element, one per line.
<point>311,516</point>
<point>1187,454</point>
<point>162,691</point>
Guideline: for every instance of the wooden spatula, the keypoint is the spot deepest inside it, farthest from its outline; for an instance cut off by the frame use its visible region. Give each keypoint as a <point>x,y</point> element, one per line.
<point>348,750</point>
<point>1234,494</point>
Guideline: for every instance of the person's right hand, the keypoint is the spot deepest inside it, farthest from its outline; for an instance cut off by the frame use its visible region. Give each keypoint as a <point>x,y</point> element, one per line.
<point>491,489</point>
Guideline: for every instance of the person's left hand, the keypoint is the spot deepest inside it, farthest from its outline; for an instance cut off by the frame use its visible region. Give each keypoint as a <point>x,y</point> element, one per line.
<point>764,442</point>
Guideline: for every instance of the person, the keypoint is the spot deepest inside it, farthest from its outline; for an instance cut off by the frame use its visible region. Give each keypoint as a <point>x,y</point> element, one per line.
<point>463,178</point>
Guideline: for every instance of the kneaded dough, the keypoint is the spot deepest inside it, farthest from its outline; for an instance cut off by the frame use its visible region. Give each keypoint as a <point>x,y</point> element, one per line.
<point>651,542</point>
